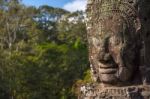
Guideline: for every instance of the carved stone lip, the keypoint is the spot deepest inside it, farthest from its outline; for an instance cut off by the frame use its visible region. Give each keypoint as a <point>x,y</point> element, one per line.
<point>107,70</point>
<point>107,66</point>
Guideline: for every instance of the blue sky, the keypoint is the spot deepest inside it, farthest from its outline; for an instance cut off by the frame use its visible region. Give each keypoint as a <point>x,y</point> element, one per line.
<point>55,3</point>
<point>70,5</point>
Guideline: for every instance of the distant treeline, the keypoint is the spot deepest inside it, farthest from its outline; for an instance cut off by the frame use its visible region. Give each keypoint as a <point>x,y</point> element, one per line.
<point>43,52</point>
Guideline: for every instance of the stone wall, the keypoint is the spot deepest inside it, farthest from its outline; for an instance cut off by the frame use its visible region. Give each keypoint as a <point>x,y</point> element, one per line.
<point>129,92</point>
<point>119,49</point>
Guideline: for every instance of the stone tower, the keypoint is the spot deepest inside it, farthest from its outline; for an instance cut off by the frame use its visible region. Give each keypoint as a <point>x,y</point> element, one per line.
<point>119,49</point>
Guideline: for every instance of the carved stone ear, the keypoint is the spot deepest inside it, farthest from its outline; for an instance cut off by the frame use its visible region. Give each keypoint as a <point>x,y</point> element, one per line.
<point>137,24</point>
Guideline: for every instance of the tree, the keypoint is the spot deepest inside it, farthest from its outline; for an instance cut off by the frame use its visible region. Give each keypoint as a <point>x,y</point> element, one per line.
<point>39,62</point>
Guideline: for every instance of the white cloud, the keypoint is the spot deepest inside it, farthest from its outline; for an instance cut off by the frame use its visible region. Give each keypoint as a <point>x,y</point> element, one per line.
<point>76,5</point>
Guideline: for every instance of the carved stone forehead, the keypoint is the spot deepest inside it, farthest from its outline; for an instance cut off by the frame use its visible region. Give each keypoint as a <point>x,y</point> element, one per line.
<point>133,2</point>
<point>100,10</point>
<point>113,22</point>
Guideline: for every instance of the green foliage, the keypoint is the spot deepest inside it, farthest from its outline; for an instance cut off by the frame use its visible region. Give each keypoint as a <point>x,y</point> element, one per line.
<point>37,62</point>
<point>87,77</point>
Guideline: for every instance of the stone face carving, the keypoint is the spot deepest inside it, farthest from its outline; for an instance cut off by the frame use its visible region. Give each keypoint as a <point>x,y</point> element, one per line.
<point>113,29</point>
<point>119,49</point>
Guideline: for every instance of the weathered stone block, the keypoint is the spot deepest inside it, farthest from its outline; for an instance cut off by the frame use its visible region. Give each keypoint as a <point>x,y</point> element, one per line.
<point>128,92</point>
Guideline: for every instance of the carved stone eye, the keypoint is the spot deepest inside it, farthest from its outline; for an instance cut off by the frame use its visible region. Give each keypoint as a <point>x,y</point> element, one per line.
<point>111,17</point>
<point>131,1</point>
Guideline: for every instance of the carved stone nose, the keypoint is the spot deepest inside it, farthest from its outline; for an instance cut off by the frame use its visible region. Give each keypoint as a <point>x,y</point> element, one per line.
<point>107,61</point>
<point>105,57</point>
